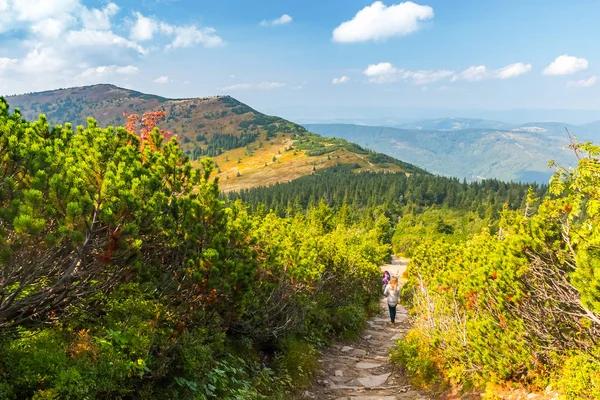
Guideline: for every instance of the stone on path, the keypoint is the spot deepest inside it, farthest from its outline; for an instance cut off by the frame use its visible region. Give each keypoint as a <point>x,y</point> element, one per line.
<point>339,372</point>
<point>346,349</point>
<point>369,398</point>
<point>374,380</point>
<point>359,352</point>
<point>366,365</point>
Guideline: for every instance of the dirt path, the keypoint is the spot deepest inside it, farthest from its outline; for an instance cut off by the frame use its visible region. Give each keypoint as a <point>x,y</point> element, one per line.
<point>362,370</point>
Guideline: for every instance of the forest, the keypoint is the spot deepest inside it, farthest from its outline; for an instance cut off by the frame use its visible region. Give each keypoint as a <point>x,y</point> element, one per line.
<point>126,273</point>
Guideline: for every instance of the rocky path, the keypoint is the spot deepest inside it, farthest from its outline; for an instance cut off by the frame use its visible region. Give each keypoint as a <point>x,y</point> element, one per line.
<point>362,370</point>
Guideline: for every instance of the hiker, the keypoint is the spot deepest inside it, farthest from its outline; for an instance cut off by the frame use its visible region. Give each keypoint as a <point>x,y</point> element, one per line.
<point>386,279</point>
<point>392,292</point>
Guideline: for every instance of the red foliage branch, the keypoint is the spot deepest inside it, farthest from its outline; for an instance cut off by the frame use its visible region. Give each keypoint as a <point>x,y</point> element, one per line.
<point>144,125</point>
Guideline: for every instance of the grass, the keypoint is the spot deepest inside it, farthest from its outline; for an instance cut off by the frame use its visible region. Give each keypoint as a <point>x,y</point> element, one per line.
<point>290,165</point>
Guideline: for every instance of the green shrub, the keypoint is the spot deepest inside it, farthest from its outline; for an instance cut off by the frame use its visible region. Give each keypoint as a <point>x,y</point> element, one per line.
<point>418,358</point>
<point>298,360</point>
<point>579,375</point>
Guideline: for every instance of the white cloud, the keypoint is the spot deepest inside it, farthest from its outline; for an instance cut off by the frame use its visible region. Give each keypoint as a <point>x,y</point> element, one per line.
<point>107,70</point>
<point>472,74</point>
<point>378,22</point>
<point>480,72</point>
<point>423,77</point>
<point>97,39</point>
<point>50,27</point>
<point>343,79</point>
<point>383,72</point>
<point>96,19</point>
<point>284,19</point>
<point>512,70</point>
<point>162,80</point>
<point>37,10</point>
<point>7,62</point>
<point>566,65</point>
<point>45,59</point>
<point>387,73</point>
<point>127,70</point>
<point>259,86</point>
<point>591,81</point>
<point>185,36</point>
<point>143,29</point>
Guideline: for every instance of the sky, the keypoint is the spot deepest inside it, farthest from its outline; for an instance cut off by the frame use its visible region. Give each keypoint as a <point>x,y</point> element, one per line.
<point>314,59</point>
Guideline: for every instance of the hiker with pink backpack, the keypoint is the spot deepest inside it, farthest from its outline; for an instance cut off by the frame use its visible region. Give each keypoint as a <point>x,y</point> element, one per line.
<point>392,292</point>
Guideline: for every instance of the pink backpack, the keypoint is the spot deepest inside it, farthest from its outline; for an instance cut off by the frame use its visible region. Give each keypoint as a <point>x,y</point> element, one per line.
<point>386,278</point>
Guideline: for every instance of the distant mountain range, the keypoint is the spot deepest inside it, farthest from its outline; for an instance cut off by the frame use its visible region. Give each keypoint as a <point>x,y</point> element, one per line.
<point>249,147</point>
<point>471,148</point>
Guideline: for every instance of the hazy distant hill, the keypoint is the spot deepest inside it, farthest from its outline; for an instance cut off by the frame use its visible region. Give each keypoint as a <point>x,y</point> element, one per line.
<point>250,148</point>
<point>454,124</point>
<point>519,153</point>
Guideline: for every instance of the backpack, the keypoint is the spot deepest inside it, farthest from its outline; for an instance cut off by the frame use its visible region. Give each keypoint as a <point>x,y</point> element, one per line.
<point>386,278</point>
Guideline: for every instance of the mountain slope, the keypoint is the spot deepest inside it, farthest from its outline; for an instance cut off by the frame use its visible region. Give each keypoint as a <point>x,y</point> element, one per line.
<point>521,153</point>
<point>454,124</point>
<point>249,148</point>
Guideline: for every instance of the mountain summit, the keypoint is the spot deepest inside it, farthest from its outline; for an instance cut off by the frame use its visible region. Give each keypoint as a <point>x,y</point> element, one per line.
<point>249,148</point>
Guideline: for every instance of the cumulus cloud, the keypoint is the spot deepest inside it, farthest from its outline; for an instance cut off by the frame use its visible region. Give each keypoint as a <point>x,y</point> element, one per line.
<point>512,70</point>
<point>284,19</point>
<point>248,86</point>
<point>99,19</point>
<point>37,10</point>
<point>591,81</point>
<point>378,22</point>
<point>338,81</point>
<point>107,70</point>
<point>472,74</point>
<point>6,62</point>
<point>387,73</point>
<point>187,36</point>
<point>424,77</point>
<point>481,72</point>
<point>145,29</point>
<point>98,39</point>
<point>383,72</point>
<point>57,41</point>
<point>43,59</point>
<point>162,80</point>
<point>49,28</point>
<point>566,65</point>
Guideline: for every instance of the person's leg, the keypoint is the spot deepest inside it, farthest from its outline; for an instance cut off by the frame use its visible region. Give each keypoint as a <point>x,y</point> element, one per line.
<point>393,314</point>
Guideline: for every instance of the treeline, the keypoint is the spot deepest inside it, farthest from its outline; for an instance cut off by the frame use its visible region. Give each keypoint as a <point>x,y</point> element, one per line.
<point>520,304</point>
<point>393,191</point>
<point>123,275</point>
<point>218,143</point>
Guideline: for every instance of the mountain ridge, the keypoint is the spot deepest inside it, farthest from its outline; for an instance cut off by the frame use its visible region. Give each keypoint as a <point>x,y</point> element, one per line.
<point>249,148</point>
<point>520,154</point>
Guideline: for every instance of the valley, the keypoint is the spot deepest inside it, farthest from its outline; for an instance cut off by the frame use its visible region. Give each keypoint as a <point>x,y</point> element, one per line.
<point>454,147</point>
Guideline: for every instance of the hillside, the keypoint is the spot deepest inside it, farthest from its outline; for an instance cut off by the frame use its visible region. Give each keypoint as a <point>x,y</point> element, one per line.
<point>250,148</point>
<point>520,153</point>
<point>454,124</point>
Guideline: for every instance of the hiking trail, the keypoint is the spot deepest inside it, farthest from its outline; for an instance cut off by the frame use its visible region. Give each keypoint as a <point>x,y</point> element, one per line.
<point>362,370</point>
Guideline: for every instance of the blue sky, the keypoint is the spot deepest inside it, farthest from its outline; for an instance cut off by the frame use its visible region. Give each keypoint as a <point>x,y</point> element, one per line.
<point>283,56</point>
